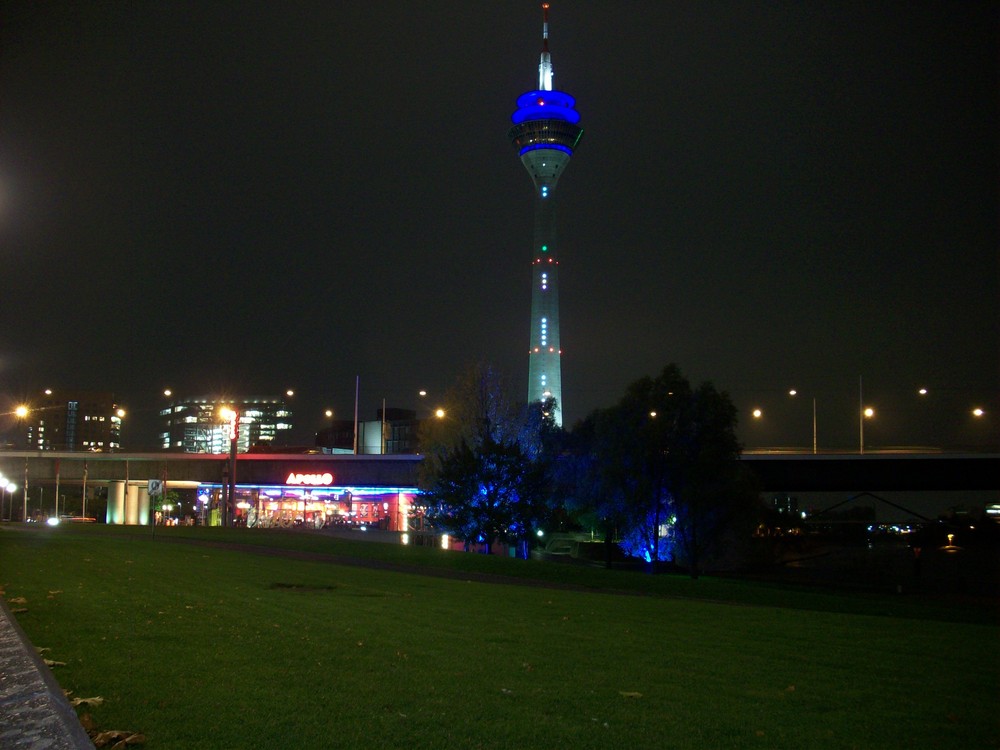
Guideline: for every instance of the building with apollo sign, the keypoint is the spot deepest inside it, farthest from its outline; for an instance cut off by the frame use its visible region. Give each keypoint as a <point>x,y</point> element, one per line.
<point>271,489</point>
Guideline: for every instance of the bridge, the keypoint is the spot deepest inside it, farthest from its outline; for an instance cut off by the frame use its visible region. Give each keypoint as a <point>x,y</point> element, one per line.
<point>377,475</point>
<point>875,472</point>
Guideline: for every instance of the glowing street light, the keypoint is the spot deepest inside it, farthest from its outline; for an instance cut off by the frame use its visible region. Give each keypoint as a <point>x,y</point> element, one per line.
<point>867,412</point>
<point>439,413</point>
<point>9,488</point>
<point>792,392</point>
<point>120,414</point>
<point>757,413</point>
<point>977,412</point>
<point>232,418</point>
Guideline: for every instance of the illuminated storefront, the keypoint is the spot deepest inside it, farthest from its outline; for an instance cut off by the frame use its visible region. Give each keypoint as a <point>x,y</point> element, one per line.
<point>312,498</point>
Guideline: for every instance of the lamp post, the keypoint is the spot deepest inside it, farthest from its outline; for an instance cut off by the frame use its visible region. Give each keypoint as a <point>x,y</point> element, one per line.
<point>120,413</point>
<point>793,393</point>
<point>232,418</point>
<point>9,490</point>
<point>22,412</point>
<point>867,412</point>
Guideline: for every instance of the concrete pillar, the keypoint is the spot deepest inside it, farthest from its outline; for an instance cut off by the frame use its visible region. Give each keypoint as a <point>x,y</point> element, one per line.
<point>132,505</point>
<point>143,509</point>
<point>116,502</point>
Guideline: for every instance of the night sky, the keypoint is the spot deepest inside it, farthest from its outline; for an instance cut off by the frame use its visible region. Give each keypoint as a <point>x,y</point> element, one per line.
<point>247,197</point>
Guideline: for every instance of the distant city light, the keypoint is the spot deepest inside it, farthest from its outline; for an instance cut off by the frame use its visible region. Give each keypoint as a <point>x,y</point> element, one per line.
<point>922,391</point>
<point>793,392</point>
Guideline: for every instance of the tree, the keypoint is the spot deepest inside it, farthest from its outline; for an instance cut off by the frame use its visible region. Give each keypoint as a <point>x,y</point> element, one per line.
<point>484,475</point>
<point>666,467</point>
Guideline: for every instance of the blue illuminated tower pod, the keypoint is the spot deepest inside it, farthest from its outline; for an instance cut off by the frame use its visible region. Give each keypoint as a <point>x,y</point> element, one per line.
<point>545,133</point>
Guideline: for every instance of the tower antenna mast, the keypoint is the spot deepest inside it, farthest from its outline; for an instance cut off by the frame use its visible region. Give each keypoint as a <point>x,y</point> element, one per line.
<point>545,72</point>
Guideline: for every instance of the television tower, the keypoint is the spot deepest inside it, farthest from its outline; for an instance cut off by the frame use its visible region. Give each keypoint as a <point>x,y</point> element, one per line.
<point>545,133</point>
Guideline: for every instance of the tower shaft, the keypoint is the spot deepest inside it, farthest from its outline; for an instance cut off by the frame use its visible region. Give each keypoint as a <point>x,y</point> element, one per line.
<point>545,132</point>
<point>544,358</point>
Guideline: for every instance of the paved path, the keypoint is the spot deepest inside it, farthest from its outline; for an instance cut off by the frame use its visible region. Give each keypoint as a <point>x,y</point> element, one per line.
<point>34,712</point>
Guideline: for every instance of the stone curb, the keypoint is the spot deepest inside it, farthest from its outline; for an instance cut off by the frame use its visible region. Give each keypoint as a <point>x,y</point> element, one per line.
<point>34,711</point>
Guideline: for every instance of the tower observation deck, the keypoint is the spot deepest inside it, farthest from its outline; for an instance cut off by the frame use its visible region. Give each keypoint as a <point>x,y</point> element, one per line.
<point>546,131</point>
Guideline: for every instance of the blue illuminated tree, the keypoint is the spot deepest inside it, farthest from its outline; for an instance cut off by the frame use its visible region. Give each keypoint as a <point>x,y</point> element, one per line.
<point>489,493</point>
<point>666,468</point>
<point>484,474</point>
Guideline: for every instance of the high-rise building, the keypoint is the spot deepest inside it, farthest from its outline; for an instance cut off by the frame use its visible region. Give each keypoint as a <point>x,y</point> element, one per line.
<point>546,131</point>
<point>72,421</point>
<point>195,425</point>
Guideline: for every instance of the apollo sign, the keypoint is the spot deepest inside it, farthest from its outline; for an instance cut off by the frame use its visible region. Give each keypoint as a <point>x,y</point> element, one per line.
<point>313,480</point>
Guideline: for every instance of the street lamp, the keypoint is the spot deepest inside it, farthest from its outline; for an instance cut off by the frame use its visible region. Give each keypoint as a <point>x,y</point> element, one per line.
<point>232,418</point>
<point>793,393</point>
<point>866,413</point>
<point>9,489</point>
<point>120,413</point>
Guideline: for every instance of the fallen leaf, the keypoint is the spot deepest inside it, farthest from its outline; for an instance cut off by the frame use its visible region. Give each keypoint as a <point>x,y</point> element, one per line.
<point>629,694</point>
<point>790,689</point>
<point>95,701</point>
<point>53,663</point>
<point>17,600</point>
<point>118,737</point>
<point>55,592</point>
<point>19,610</point>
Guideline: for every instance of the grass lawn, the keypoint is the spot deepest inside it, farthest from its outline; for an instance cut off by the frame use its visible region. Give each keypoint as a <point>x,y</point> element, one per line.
<point>206,647</point>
